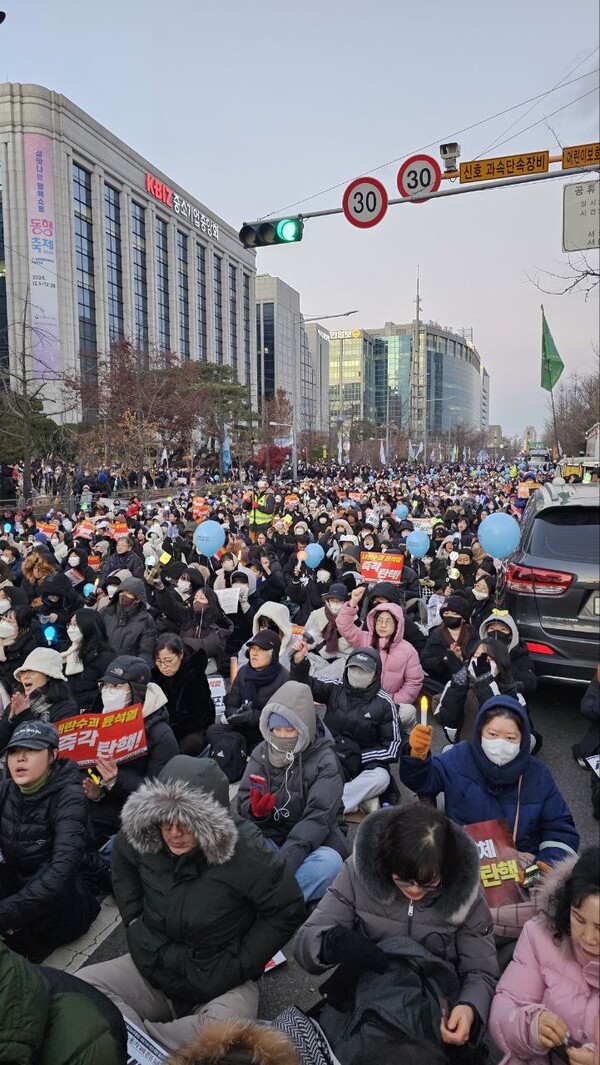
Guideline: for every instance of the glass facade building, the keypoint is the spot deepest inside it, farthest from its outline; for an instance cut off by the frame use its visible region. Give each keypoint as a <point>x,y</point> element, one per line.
<point>114,262</point>
<point>233,319</point>
<point>86,285</point>
<point>201,302</point>
<point>139,275</point>
<point>352,377</point>
<point>183,295</point>
<point>162,285</point>
<point>4,349</point>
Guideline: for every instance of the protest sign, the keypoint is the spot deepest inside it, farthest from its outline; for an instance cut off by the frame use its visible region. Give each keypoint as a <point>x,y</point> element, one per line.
<point>229,599</point>
<point>499,870</point>
<point>141,1049</point>
<point>86,529</point>
<point>119,529</point>
<point>423,524</point>
<point>381,566</point>
<point>217,690</point>
<point>119,736</point>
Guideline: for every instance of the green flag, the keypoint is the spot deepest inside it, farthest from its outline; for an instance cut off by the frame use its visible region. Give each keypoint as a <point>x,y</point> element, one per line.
<point>552,364</point>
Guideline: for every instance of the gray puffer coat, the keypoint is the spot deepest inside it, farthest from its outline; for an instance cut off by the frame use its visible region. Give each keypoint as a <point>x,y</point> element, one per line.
<point>452,921</point>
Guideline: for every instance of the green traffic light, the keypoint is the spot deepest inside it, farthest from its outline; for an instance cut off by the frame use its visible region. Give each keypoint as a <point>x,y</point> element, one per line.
<point>288,230</point>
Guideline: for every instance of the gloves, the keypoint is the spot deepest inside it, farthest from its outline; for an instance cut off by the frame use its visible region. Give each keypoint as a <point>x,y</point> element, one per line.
<point>352,950</point>
<point>480,666</point>
<point>420,741</point>
<point>261,802</point>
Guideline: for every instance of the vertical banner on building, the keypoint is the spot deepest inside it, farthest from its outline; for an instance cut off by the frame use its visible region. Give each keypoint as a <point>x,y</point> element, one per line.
<point>41,241</point>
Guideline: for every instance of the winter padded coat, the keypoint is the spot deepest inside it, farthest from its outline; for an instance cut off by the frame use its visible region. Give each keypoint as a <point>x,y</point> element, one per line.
<point>207,630</point>
<point>544,974</point>
<point>48,1017</point>
<point>521,665</point>
<point>402,674</point>
<point>62,708</point>
<point>84,686</point>
<point>308,810</point>
<point>477,790</point>
<point>190,704</point>
<point>393,594</point>
<point>245,717</point>
<point>452,921</point>
<point>204,922</point>
<point>279,614</point>
<point>133,631</point>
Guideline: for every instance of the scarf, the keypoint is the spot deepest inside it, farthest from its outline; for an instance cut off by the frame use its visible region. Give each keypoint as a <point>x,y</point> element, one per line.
<point>72,663</point>
<point>330,633</point>
<point>39,705</point>
<point>254,679</point>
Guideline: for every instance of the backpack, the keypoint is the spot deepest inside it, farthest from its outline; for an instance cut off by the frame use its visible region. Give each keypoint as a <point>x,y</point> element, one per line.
<point>228,749</point>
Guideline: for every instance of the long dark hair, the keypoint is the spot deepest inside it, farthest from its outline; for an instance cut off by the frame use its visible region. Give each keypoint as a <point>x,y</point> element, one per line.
<point>498,653</point>
<point>381,643</point>
<point>419,843</point>
<point>583,880</point>
<point>91,626</point>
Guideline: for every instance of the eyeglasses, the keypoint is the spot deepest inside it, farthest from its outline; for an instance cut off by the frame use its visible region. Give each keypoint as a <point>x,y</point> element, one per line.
<point>167,661</point>
<point>415,883</point>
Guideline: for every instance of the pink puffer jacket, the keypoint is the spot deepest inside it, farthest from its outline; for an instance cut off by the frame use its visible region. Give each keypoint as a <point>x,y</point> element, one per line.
<point>402,673</point>
<point>547,975</point>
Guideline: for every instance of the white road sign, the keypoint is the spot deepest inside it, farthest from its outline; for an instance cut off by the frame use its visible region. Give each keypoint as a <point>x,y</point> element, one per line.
<point>420,173</point>
<point>581,216</point>
<point>365,202</point>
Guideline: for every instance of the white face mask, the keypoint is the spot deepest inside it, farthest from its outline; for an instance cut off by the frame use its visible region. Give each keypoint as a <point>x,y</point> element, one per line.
<point>54,541</point>
<point>500,752</point>
<point>184,587</point>
<point>4,606</point>
<point>114,699</point>
<point>333,607</point>
<point>74,634</point>
<point>229,566</point>
<point>357,678</point>
<point>8,559</point>
<point>111,589</point>
<point>74,560</point>
<point>7,629</point>
<point>323,575</point>
<point>480,596</point>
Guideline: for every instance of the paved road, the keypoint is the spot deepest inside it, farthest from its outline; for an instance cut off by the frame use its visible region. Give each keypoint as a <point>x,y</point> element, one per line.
<point>555,710</point>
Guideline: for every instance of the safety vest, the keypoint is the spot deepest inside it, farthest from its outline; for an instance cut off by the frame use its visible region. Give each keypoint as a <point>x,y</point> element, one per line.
<point>260,517</point>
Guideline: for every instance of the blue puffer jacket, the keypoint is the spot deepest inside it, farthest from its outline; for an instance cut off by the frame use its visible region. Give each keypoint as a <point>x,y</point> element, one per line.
<point>477,790</point>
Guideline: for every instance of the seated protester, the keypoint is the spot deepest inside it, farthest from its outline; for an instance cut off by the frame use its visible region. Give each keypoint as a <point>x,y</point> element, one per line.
<point>130,628</point>
<point>59,600</point>
<point>11,556</point>
<point>243,579</point>
<point>42,693</point>
<point>127,682</point>
<point>483,593</point>
<point>306,587</point>
<point>87,658</point>
<point>20,632</point>
<point>385,592</point>
<point>181,674</point>
<point>292,790</point>
<point>501,626</point>
<point>255,685</point>
<point>447,643</point>
<point>295,552</point>
<point>44,836</point>
<point>270,585</point>
<point>205,905</point>
<point>495,776</point>
<point>36,568</point>
<point>106,594</point>
<point>320,627</point>
<point>276,618</point>
<point>466,566</point>
<point>229,566</point>
<point>548,996</point>
<point>199,620</point>
<point>76,567</point>
<point>122,556</point>
<point>589,744</point>
<point>413,874</point>
<point>363,721</point>
<point>402,675</point>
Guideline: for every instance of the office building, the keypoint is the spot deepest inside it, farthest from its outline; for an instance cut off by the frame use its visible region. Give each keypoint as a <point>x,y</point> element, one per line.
<point>485,399</point>
<point>351,377</point>
<point>99,246</point>
<point>283,357</point>
<point>319,347</point>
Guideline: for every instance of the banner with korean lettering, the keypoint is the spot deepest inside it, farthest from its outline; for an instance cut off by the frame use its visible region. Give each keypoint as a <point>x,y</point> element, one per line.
<point>499,869</point>
<point>41,245</point>
<point>119,736</point>
<point>381,566</point>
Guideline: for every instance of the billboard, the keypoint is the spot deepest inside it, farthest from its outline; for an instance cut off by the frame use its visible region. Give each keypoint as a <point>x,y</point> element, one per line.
<point>41,248</point>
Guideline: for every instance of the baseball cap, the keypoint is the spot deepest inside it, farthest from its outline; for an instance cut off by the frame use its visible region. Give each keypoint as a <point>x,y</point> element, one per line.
<point>362,661</point>
<point>266,640</point>
<point>36,735</point>
<point>337,590</point>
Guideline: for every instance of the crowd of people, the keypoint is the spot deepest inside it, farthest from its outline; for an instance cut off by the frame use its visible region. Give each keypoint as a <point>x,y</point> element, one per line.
<point>286,786</point>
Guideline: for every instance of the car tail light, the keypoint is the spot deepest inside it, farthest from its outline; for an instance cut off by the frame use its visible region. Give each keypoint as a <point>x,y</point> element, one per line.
<point>534,581</point>
<point>539,648</point>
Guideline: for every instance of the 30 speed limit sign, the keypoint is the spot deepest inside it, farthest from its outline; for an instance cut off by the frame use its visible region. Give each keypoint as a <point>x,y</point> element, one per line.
<point>420,173</point>
<point>365,202</point>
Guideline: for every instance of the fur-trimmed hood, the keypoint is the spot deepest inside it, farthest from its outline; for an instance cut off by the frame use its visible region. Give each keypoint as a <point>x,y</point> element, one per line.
<point>545,892</point>
<point>452,901</point>
<point>192,792</point>
<point>267,1046</point>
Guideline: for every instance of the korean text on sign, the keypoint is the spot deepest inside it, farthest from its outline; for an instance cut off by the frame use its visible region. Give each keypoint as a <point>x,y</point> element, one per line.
<point>505,166</point>
<point>381,566</point>
<point>580,155</point>
<point>498,865</point>
<point>119,736</point>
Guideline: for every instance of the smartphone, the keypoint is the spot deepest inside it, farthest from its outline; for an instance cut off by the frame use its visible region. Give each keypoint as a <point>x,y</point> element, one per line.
<point>258,782</point>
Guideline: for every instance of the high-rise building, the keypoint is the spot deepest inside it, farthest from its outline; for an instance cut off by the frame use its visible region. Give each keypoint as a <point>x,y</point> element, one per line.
<point>99,246</point>
<point>485,399</point>
<point>351,377</point>
<point>319,346</point>
<point>283,358</point>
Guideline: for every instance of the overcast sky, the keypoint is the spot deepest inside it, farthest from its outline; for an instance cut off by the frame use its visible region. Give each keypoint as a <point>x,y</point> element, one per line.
<point>252,106</point>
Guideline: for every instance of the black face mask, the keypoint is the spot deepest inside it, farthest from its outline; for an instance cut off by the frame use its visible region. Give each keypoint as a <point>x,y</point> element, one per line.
<point>452,623</point>
<point>464,569</point>
<point>504,637</point>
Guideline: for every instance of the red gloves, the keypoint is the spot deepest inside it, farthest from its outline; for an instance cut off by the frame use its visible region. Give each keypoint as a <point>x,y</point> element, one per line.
<point>261,802</point>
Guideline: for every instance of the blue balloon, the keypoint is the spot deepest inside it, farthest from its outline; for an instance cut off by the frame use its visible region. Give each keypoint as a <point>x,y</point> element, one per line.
<point>89,589</point>
<point>401,511</point>
<point>417,542</point>
<point>209,538</point>
<point>314,555</point>
<point>499,535</point>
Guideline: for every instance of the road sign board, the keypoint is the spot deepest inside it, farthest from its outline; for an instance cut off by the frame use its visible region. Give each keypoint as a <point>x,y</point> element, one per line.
<point>365,202</point>
<point>580,155</point>
<point>505,166</point>
<point>581,216</point>
<point>420,173</point>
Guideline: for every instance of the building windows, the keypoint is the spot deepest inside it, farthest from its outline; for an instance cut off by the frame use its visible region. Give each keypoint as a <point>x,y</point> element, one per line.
<point>233,345</point>
<point>246,323</point>
<point>84,256</point>
<point>218,295</point>
<point>201,301</point>
<point>114,263</point>
<point>139,275</point>
<point>162,284</point>
<point>268,350</point>
<point>183,301</point>
<point>4,350</point>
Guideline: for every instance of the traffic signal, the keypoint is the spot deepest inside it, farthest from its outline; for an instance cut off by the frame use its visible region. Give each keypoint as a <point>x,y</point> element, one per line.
<point>275,231</point>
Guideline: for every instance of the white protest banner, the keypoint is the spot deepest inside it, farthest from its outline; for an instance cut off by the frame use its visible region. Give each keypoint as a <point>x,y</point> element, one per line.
<point>229,599</point>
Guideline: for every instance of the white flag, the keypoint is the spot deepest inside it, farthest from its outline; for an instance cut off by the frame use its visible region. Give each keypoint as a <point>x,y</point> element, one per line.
<point>164,457</point>
<point>411,450</point>
<point>381,453</point>
<point>453,456</point>
<point>340,449</point>
<point>419,449</point>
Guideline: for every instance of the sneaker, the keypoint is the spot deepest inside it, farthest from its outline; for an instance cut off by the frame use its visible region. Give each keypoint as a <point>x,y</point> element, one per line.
<point>370,806</point>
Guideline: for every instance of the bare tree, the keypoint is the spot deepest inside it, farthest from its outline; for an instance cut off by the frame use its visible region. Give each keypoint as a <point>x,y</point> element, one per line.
<point>578,275</point>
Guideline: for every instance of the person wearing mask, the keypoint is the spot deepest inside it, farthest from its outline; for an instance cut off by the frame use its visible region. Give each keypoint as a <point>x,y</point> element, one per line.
<point>11,557</point>
<point>129,627</point>
<point>44,837</point>
<point>547,999</point>
<point>270,583</point>
<point>292,790</point>
<point>122,557</point>
<point>495,776</point>
<point>501,626</point>
<point>87,657</point>
<point>255,685</point>
<point>20,632</point>
<point>204,902</point>
<point>243,580</point>
<point>306,588</point>
<point>276,617</point>
<point>198,619</point>
<point>363,720</point>
<point>58,601</point>
<point>105,596</point>
<point>447,643</point>
<point>181,674</point>
<point>76,567</point>
<point>327,644</point>
<point>483,593</point>
<point>402,675</point>
<point>42,693</point>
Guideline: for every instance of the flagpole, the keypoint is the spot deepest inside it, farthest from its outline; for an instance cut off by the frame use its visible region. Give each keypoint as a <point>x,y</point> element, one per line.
<point>551,396</point>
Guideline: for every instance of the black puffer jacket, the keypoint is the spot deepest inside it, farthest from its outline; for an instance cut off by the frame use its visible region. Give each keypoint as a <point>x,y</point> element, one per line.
<point>243,716</point>
<point>84,686</point>
<point>57,711</point>
<point>190,704</point>
<point>43,840</point>
<point>207,630</point>
<point>17,652</point>
<point>133,631</point>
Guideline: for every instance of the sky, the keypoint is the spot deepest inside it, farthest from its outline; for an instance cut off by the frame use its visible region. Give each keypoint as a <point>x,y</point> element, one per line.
<point>256,106</point>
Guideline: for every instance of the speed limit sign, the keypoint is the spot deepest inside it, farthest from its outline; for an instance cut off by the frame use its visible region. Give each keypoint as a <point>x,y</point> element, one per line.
<point>365,202</point>
<point>420,173</point>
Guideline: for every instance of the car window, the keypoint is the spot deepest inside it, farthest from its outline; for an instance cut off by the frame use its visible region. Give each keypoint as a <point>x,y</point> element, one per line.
<point>568,534</point>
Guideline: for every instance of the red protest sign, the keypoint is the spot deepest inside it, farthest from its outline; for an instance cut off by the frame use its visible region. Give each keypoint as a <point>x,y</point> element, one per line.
<point>381,566</point>
<point>499,869</point>
<point>94,561</point>
<point>119,736</point>
<point>119,529</point>
<point>85,529</point>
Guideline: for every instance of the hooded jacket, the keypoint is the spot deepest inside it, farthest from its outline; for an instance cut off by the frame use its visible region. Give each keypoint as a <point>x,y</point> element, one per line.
<point>477,790</point>
<point>280,614</point>
<point>190,704</point>
<point>394,594</point>
<point>306,590</point>
<point>452,921</point>
<point>520,663</point>
<point>309,792</point>
<point>402,674</point>
<point>544,974</point>
<point>367,716</point>
<point>206,630</point>
<point>200,923</point>
<point>132,631</point>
